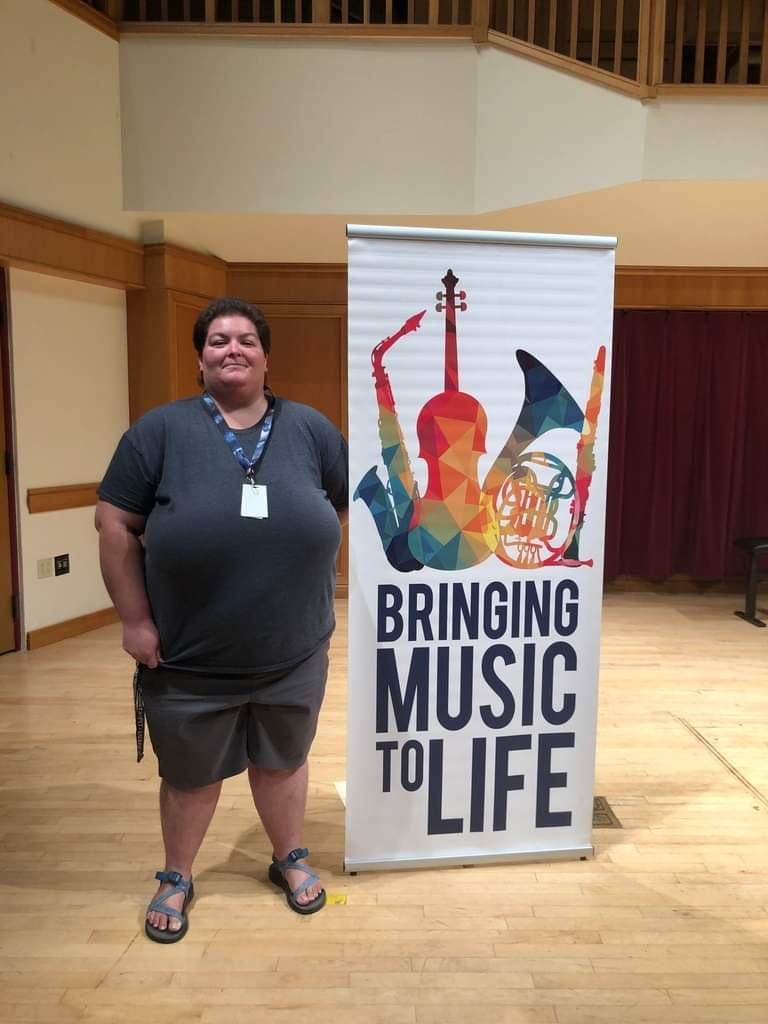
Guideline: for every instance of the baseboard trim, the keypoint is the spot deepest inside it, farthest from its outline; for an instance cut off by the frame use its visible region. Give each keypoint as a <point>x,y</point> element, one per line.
<point>679,584</point>
<point>70,627</point>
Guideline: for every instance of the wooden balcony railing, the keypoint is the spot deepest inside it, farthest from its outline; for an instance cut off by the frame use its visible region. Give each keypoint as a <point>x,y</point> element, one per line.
<point>721,42</point>
<point>254,13</point>
<point>640,46</point>
<point>681,42</point>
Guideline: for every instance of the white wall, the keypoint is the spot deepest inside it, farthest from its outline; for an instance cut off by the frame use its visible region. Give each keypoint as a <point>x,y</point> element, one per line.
<point>396,128</point>
<point>542,133</point>
<point>714,138</point>
<point>60,116</point>
<point>658,223</point>
<point>321,127</point>
<point>70,385</point>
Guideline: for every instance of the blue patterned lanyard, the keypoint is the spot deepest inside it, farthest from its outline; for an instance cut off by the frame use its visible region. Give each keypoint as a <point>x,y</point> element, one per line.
<point>249,465</point>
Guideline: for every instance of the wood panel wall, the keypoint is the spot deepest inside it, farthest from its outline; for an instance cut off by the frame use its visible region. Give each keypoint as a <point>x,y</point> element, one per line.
<point>306,306</point>
<point>304,303</point>
<point>168,285</point>
<point>178,284</point>
<point>691,288</point>
<point>47,245</point>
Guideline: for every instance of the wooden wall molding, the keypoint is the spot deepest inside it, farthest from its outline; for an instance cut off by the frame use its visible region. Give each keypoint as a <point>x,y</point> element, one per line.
<point>705,90</point>
<point>33,241</point>
<point>741,288</point>
<point>70,627</point>
<point>55,499</point>
<point>380,32</point>
<point>571,65</point>
<point>737,288</point>
<point>36,242</point>
<point>91,17</point>
<point>321,283</point>
<point>184,270</point>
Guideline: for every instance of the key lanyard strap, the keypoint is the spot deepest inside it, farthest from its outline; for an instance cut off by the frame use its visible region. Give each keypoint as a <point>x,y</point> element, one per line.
<point>249,465</point>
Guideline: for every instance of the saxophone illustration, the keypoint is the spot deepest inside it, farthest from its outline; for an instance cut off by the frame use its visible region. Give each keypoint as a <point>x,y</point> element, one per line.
<point>391,505</point>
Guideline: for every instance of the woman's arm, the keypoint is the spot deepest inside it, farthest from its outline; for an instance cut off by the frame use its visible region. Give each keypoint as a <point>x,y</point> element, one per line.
<point>122,566</point>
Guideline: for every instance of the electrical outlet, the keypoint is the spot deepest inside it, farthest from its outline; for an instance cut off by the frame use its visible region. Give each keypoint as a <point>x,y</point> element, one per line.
<point>60,565</point>
<point>44,568</point>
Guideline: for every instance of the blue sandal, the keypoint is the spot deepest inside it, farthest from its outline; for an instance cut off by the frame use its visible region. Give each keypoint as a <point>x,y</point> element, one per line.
<point>180,884</point>
<point>277,871</point>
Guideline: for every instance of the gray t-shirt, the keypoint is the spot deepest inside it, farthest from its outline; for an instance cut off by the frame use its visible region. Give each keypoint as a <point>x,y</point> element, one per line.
<point>231,594</point>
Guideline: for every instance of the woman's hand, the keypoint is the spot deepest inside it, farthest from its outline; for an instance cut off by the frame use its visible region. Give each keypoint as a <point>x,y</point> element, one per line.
<point>142,642</point>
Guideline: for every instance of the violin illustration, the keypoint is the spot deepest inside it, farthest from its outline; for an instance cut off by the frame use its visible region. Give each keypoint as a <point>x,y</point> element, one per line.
<point>454,524</point>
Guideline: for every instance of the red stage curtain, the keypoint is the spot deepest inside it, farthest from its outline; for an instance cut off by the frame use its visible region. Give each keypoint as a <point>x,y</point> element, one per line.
<point>688,454</point>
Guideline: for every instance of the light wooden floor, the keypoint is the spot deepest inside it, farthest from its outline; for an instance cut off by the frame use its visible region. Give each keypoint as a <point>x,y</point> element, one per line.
<point>667,924</point>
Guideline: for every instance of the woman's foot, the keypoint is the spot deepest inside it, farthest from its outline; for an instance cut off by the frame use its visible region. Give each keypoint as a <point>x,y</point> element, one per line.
<point>159,920</point>
<point>165,918</point>
<point>294,878</point>
<point>302,887</point>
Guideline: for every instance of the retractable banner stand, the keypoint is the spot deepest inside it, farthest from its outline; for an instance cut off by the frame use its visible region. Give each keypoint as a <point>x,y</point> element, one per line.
<point>478,422</point>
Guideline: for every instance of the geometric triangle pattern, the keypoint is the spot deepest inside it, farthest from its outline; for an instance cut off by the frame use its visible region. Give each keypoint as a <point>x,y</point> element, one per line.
<point>547,405</point>
<point>454,524</point>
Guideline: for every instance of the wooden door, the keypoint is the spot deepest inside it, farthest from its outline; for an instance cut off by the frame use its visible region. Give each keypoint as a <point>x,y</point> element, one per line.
<point>185,309</point>
<point>308,363</point>
<point>9,635</point>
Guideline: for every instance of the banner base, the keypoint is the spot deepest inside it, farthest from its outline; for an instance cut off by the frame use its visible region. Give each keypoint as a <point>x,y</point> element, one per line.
<point>352,866</point>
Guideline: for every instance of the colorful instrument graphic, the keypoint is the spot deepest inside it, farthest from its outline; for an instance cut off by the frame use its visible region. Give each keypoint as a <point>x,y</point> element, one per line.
<point>454,526</point>
<point>530,487</point>
<point>518,511</point>
<point>391,506</point>
<point>585,461</point>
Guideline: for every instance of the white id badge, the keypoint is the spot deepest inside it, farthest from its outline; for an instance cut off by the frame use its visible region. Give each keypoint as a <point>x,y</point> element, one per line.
<point>253,504</point>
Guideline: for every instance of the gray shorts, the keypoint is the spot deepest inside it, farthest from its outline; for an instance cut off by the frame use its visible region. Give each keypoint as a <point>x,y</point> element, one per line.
<point>205,728</point>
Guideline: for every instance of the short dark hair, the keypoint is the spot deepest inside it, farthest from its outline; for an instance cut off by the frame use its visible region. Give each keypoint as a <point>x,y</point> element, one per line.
<point>230,307</point>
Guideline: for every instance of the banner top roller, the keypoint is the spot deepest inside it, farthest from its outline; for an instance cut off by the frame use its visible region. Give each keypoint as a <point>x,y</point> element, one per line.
<point>466,235</point>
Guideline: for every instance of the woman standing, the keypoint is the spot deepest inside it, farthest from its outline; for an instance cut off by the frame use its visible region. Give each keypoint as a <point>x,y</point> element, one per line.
<point>227,605</point>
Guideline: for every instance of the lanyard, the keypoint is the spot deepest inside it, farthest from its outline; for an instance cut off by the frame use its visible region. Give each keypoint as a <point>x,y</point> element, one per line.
<point>249,465</point>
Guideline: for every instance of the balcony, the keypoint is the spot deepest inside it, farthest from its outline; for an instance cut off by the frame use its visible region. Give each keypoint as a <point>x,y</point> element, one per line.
<point>642,47</point>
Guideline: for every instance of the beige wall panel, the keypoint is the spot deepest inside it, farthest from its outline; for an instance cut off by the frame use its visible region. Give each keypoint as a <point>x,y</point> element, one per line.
<point>60,112</point>
<point>715,137</point>
<point>658,223</point>
<point>241,124</point>
<point>70,385</point>
<point>542,133</point>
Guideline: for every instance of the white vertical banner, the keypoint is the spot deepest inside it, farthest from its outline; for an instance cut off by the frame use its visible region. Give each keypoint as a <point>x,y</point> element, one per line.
<point>479,366</point>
